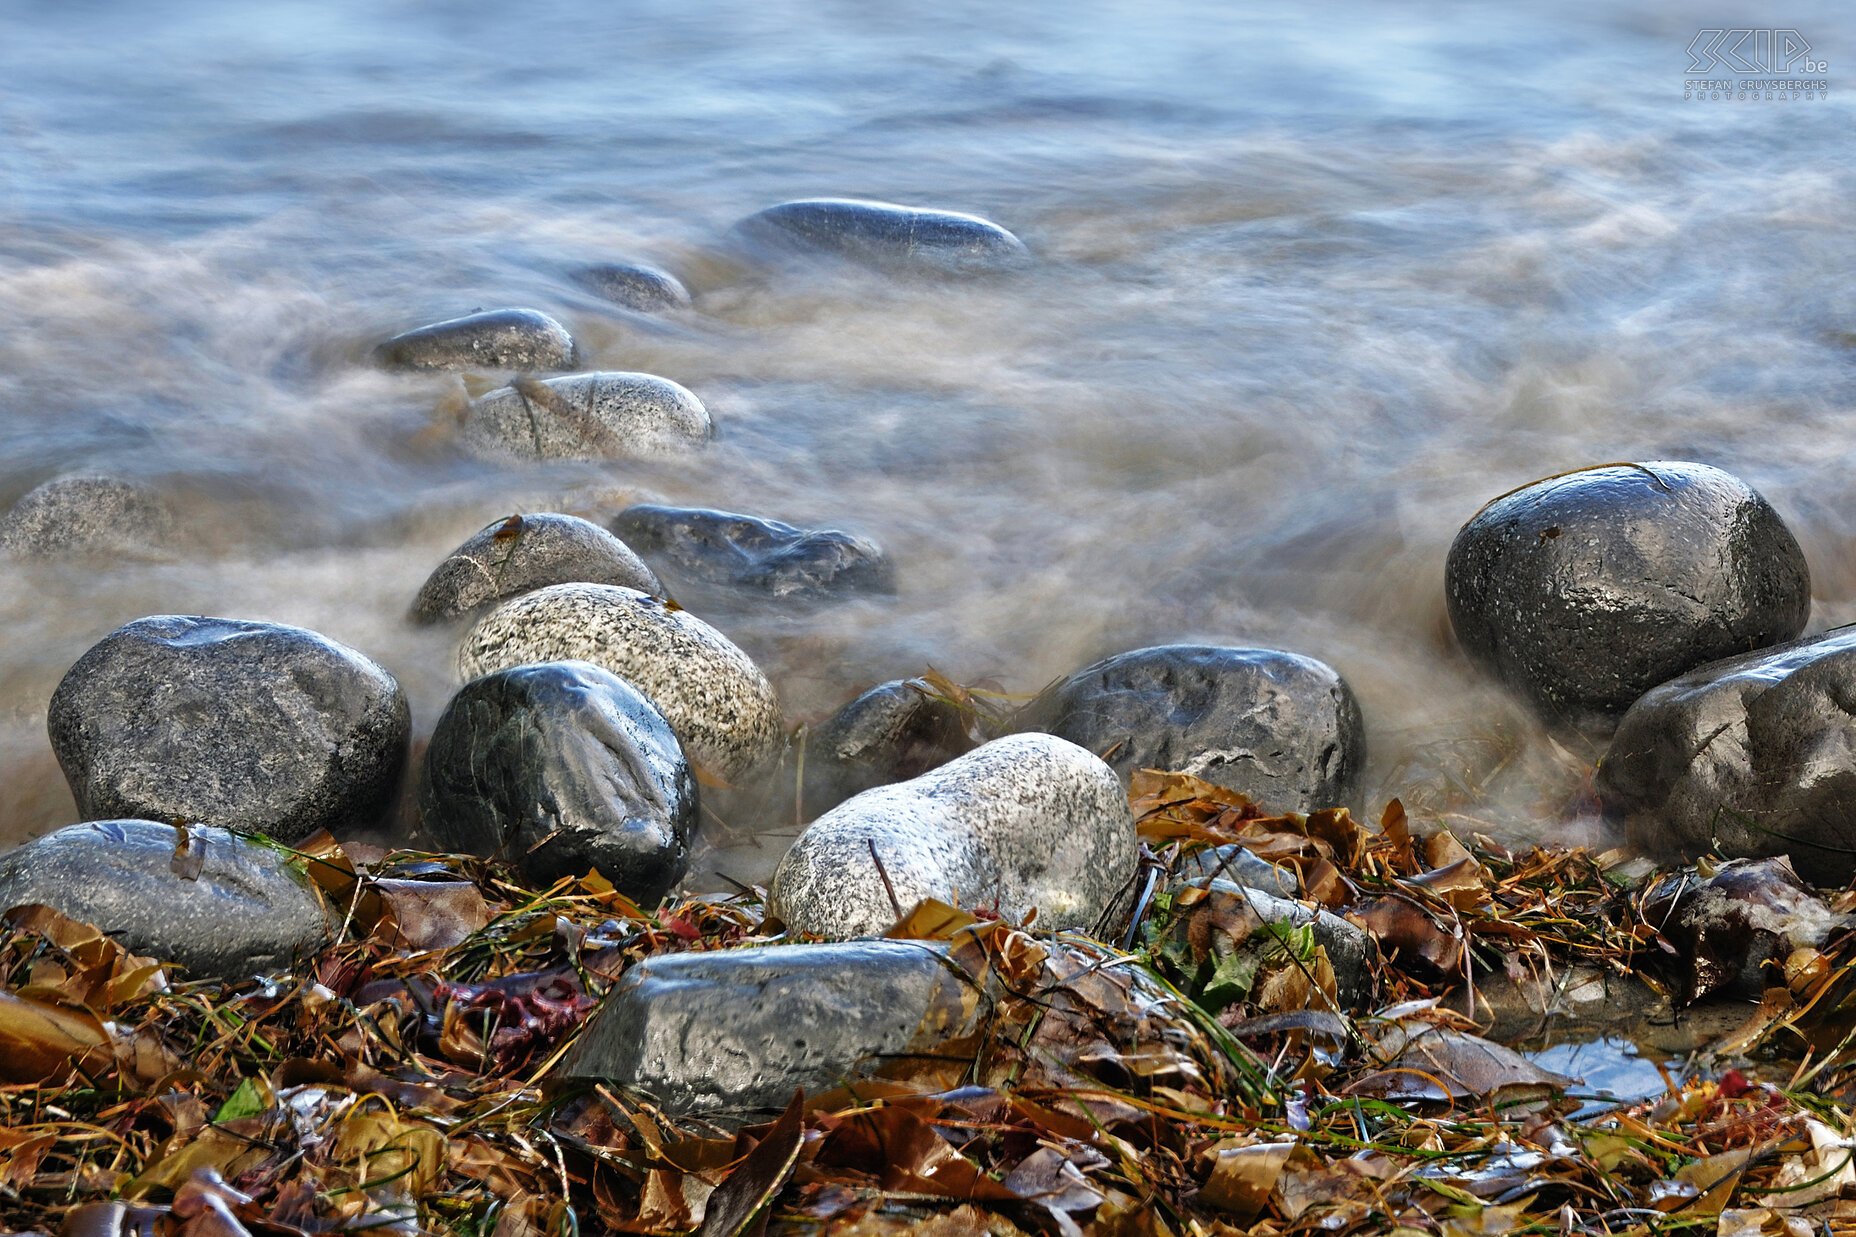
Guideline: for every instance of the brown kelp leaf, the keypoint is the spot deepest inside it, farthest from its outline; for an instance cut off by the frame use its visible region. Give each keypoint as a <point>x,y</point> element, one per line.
<point>39,1039</point>
<point>739,1205</point>
<point>1243,1177</point>
<point>905,1154</point>
<point>94,970</point>
<point>420,915</point>
<point>931,920</point>
<point>1423,1061</point>
<point>335,876</point>
<point>1409,932</point>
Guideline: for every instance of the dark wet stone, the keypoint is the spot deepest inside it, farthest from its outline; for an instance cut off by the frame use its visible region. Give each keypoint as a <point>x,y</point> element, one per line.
<point>558,767</point>
<point>600,416</point>
<point>85,515</point>
<point>1279,727</point>
<point>1237,865</point>
<point>891,733</point>
<point>734,1032</point>
<point>719,547</point>
<point>254,726</point>
<point>525,552</point>
<point>1747,757</point>
<point>221,905</point>
<point>1582,592</point>
<point>636,286</point>
<point>887,236</point>
<point>524,339</point>
<point>1734,929</point>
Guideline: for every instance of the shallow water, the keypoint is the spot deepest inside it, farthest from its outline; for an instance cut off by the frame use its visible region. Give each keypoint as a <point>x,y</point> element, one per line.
<point>1312,284</point>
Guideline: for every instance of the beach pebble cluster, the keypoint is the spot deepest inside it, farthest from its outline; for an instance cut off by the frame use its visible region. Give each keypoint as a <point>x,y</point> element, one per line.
<point>1659,607</point>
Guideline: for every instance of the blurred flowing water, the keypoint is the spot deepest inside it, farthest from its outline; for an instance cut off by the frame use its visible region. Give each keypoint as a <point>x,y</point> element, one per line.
<point>1313,282</point>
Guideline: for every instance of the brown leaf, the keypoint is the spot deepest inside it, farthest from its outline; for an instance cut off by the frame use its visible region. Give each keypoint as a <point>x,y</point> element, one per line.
<point>1428,1062</point>
<point>39,1039</point>
<point>421,915</point>
<point>1243,1177</point>
<point>739,1205</point>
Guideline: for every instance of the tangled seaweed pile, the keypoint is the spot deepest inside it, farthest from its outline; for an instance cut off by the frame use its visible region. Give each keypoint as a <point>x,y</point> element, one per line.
<point>406,1079</point>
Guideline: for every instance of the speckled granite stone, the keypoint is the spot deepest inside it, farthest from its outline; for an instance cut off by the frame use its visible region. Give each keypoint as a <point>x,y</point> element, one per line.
<point>525,552</point>
<point>903,239</point>
<point>587,417</point>
<point>712,694</point>
<point>522,339</point>
<point>87,514</point>
<point>1025,821</point>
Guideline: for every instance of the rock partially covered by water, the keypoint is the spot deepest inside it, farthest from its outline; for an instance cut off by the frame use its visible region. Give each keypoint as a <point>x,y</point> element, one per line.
<point>1583,591</point>
<point>523,339</point>
<point>713,695</point>
<point>720,547</point>
<point>1748,757</point>
<point>221,905</point>
<point>1027,821</point>
<point>83,515</point>
<point>254,726</point>
<point>645,289</point>
<point>1279,727</point>
<point>731,1033</point>
<point>881,234</point>
<point>891,733</point>
<point>524,552</point>
<point>559,767</point>
<point>599,416</point>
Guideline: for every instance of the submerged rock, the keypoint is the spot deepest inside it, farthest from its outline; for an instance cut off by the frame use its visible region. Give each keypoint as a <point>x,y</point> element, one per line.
<point>221,905</point>
<point>524,339</point>
<point>1239,866</point>
<point>1027,821</point>
<point>1279,727</point>
<point>87,514</point>
<point>720,547</point>
<point>891,733</point>
<point>1748,757</point>
<point>587,417</point>
<point>1583,591</point>
<point>881,234</point>
<point>523,552</point>
<point>733,1032</point>
<point>1734,930</point>
<point>636,286</point>
<point>559,767</point>
<point>255,726</point>
<point>716,700</point>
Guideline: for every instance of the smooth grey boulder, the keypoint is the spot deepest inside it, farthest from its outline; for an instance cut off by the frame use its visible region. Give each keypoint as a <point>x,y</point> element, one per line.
<point>1279,727</point>
<point>1027,821</point>
<point>559,767</point>
<point>1749,757</point>
<point>522,339</point>
<point>1238,866</point>
<point>85,514</point>
<point>253,726</point>
<point>713,695</point>
<point>645,289</point>
<point>904,239</point>
<point>598,416</point>
<point>520,553</point>
<point>696,544</point>
<point>221,905</point>
<point>1583,591</point>
<point>891,733</point>
<point>732,1033</point>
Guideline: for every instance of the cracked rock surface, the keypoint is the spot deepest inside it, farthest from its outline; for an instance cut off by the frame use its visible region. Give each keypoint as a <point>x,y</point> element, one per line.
<point>1279,727</point>
<point>715,698</point>
<point>1025,821</point>
<point>559,767</point>
<point>524,552</point>
<point>522,339</point>
<point>221,905</point>
<point>596,416</point>
<point>1750,757</point>
<point>253,726</point>
<point>1582,592</point>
